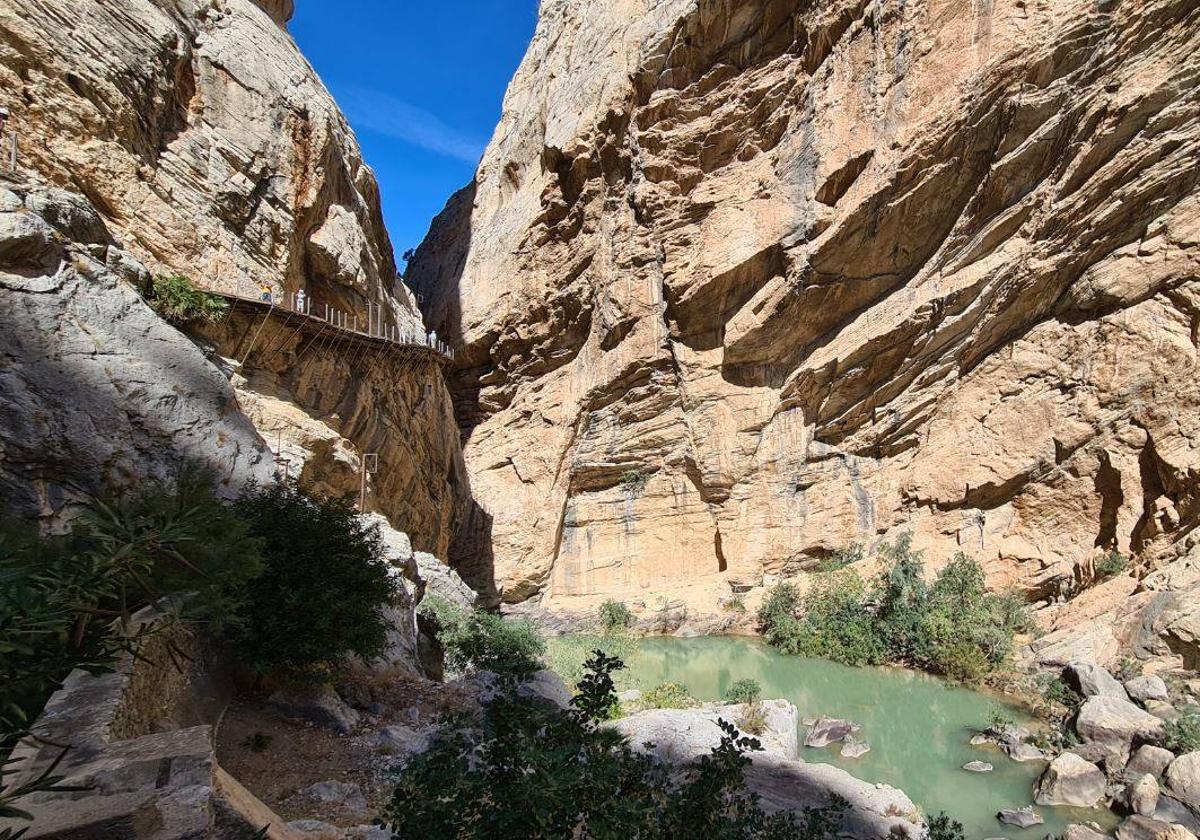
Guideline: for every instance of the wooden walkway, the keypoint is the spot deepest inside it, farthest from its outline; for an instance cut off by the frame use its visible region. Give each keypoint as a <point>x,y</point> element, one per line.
<point>329,326</point>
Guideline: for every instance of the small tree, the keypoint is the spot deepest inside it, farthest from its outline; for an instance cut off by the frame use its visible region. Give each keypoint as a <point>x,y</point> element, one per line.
<point>744,691</point>
<point>324,588</point>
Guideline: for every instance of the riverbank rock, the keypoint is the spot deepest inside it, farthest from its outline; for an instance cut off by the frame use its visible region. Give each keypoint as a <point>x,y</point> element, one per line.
<point>1020,817</point>
<point>978,767</point>
<point>828,730</point>
<point>1142,796</point>
<point>1091,680</point>
<point>1145,828</point>
<point>678,736</point>
<point>1115,724</point>
<point>1148,758</point>
<point>1083,832</point>
<point>1021,751</point>
<point>1183,779</point>
<point>1069,780</point>
<point>1146,688</point>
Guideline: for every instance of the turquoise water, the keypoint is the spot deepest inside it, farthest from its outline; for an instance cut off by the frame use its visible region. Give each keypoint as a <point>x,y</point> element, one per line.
<point>919,727</point>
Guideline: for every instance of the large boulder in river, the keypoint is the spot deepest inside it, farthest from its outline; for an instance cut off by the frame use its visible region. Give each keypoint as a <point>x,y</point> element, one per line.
<point>1090,680</point>
<point>1069,780</point>
<point>1082,832</point>
<point>1183,779</point>
<point>1115,724</point>
<point>828,730</point>
<point>678,736</point>
<point>1020,817</point>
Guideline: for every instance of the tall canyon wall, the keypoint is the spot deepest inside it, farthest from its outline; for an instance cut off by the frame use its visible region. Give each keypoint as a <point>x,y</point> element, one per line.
<point>741,282</point>
<point>203,143</point>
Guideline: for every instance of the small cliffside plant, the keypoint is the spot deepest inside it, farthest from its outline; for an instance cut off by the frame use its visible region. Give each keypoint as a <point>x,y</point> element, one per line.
<point>840,558</point>
<point>483,640</point>
<point>1111,564</point>
<point>634,482</point>
<point>1182,735</point>
<point>177,299</point>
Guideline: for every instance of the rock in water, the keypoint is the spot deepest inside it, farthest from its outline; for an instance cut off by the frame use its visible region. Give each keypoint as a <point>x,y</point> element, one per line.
<point>978,767</point>
<point>828,730</point>
<point>1069,780</point>
<point>1020,817</point>
<point>854,748</point>
<point>1144,828</point>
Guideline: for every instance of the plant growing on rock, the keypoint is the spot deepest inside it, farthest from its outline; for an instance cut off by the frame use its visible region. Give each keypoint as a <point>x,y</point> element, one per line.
<point>634,482</point>
<point>668,696</point>
<point>840,558</point>
<point>615,616</point>
<point>1182,735</point>
<point>176,298</point>
<point>1111,564</point>
<point>484,640</point>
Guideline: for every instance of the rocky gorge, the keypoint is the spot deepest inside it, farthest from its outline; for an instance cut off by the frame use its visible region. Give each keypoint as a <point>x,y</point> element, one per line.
<point>740,290</point>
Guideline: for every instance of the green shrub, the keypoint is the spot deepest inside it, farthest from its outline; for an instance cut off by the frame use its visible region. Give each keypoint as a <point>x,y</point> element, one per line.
<point>999,721</point>
<point>324,589</point>
<point>952,627</point>
<point>1111,564</point>
<point>65,601</point>
<point>840,558</point>
<point>537,772</point>
<point>942,827</point>
<point>567,655</point>
<point>668,696</point>
<point>634,482</point>
<point>744,691</point>
<point>177,299</point>
<point>1182,735</point>
<point>615,616</point>
<point>484,640</point>
<point>735,603</point>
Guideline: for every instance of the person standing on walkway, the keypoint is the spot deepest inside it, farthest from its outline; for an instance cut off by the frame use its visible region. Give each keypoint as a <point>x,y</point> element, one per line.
<point>300,301</point>
<point>266,292</point>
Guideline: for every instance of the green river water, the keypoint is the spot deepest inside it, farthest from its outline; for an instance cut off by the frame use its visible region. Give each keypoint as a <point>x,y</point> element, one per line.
<point>919,727</point>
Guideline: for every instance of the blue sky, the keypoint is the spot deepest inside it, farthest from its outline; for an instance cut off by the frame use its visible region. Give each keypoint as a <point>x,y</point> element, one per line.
<point>422,83</point>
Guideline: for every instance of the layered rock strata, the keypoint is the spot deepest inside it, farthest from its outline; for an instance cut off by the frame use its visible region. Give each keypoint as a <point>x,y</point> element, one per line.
<point>741,283</point>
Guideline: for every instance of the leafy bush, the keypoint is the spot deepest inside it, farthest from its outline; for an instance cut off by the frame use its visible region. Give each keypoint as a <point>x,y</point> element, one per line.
<point>177,299</point>
<point>537,772</point>
<point>615,616</point>
<point>668,696</point>
<point>999,721</point>
<point>1182,735</point>
<point>324,587</point>
<point>1111,564</point>
<point>952,627</point>
<point>840,558</point>
<point>744,691</point>
<point>942,827</point>
<point>735,603</point>
<point>65,602</point>
<point>483,640</point>
<point>567,655</point>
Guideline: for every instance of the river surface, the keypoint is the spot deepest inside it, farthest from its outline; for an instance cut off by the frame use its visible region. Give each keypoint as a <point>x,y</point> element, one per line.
<point>918,726</point>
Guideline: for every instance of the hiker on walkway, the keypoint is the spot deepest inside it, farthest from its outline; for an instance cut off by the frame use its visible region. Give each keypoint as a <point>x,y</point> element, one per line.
<point>266,293</point>
<point>300,301</point>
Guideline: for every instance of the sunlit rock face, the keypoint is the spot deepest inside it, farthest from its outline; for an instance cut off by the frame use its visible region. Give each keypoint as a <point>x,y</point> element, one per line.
<point>741,282</point>
<point>210,148</point>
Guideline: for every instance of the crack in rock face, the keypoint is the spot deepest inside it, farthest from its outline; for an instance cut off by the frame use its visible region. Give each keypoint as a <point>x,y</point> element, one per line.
<point>823,274</point>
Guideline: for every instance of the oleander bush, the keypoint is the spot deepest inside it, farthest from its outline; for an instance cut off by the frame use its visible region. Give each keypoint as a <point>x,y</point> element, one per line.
<point>484,640</point>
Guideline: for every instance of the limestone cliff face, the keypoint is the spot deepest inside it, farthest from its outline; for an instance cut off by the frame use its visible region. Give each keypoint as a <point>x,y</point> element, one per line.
<point>210,148</point>
<point>739,282</point>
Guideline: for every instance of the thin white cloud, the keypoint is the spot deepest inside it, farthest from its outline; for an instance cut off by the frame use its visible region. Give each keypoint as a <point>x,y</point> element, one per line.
<point>384,114</point>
